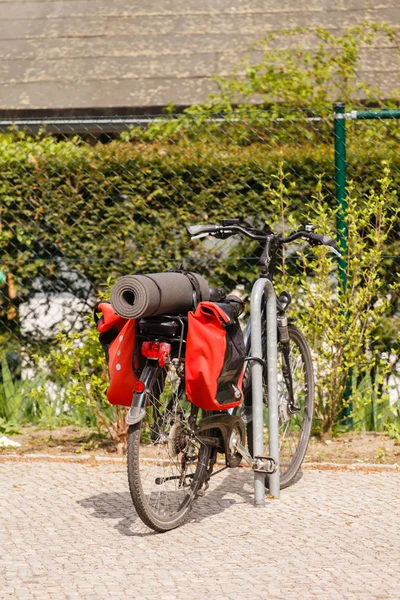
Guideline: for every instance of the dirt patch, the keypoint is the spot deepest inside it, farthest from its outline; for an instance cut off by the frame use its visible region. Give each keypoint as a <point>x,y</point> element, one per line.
<point>350,448</point>
<point>355,447</point>
<point>65,440</point>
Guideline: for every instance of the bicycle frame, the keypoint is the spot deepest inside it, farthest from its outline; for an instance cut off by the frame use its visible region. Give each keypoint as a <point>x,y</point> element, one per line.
<point>176,427</point>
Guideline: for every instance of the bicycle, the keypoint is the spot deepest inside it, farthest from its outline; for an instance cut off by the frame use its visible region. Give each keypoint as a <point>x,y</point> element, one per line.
<point>172,445</point>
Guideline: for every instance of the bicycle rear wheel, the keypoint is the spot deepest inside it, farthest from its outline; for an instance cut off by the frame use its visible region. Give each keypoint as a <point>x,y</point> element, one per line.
<point>166,464</point>
<point>294,427</point>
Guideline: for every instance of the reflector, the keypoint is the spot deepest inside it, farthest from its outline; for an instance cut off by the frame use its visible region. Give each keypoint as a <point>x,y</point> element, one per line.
<point>139,387</point>
<point>157,351</point>
<point>150,349</point>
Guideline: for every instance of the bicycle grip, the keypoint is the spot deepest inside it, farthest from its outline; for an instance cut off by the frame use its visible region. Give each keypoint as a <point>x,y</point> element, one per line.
<point>197,229</point>
<point>323,239</point>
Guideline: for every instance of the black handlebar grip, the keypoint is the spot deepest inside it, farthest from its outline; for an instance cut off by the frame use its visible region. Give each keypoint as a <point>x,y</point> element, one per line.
<point>323,239</point>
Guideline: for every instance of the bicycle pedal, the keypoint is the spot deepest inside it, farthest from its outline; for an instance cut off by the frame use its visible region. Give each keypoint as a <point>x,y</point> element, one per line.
<point>264,464</point>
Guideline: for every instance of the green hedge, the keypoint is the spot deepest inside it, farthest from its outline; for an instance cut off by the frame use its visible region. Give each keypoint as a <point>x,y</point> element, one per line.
<point>107,209</point>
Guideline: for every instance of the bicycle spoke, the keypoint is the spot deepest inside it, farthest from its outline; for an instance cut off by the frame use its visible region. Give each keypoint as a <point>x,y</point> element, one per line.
<point>166,471</point>
<point>291,425</point>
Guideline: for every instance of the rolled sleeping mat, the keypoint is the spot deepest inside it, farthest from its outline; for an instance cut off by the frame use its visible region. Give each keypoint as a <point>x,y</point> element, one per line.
<point>134,296</point>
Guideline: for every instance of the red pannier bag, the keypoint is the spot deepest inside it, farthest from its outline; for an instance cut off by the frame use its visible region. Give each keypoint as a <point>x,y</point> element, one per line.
<point>117,336</point>
<point>215,354</point>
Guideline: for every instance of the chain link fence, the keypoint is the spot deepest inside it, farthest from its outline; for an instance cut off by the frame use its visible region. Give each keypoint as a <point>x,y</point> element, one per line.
<point>84,201</point>
<point>367,142</point>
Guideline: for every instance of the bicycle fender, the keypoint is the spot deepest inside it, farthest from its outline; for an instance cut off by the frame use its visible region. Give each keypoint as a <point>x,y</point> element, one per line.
<point>138,407</point>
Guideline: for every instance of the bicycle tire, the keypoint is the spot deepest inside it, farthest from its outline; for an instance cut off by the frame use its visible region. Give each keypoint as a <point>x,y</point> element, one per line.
<point>164,448</point>
<point>303,396</point>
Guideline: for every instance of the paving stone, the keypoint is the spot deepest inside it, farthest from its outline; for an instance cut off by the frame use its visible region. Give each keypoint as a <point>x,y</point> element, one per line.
<point>69,531</point>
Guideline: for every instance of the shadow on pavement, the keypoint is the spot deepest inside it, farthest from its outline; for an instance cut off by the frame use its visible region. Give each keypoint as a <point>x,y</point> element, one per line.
<point>117,505</point>
<point>236,487</point>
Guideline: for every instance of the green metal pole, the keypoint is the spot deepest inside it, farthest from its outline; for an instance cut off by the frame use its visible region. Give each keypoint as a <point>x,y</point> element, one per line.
<point>376,114</point>
<point>339,130</point>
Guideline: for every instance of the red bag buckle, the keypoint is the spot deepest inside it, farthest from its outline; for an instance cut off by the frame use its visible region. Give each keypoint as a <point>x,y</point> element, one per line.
<point>157,351</point>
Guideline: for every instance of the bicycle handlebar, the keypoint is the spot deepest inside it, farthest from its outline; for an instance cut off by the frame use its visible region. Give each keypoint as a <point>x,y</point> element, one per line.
<point>197,231</point>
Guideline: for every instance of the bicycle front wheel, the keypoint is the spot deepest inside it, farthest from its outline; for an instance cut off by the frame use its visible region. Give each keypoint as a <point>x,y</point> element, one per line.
<point>294,427</point>
<point>166,464</point>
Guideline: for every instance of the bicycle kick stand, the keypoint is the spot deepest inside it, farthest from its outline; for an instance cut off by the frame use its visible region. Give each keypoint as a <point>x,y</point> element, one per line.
<point>264,286</point>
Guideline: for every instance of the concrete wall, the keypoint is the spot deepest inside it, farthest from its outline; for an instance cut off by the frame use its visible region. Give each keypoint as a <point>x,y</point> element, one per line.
<point>73,54</point>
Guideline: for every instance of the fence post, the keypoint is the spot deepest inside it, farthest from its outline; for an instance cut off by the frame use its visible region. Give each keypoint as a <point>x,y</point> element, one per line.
<point>339,131</point>
<point>263,287</point>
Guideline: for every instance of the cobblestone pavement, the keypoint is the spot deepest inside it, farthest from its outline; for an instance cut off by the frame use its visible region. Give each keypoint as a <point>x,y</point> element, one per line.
<point>69,531</point>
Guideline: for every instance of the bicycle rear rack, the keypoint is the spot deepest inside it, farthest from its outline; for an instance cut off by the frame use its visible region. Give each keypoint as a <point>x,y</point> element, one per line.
<point>264,465</point>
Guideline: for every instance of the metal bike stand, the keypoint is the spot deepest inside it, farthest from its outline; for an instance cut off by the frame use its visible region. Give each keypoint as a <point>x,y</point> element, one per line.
<point>264,286</point>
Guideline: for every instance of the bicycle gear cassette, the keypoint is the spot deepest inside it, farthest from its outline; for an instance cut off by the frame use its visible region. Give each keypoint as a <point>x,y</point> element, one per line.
<point>177,439</point>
